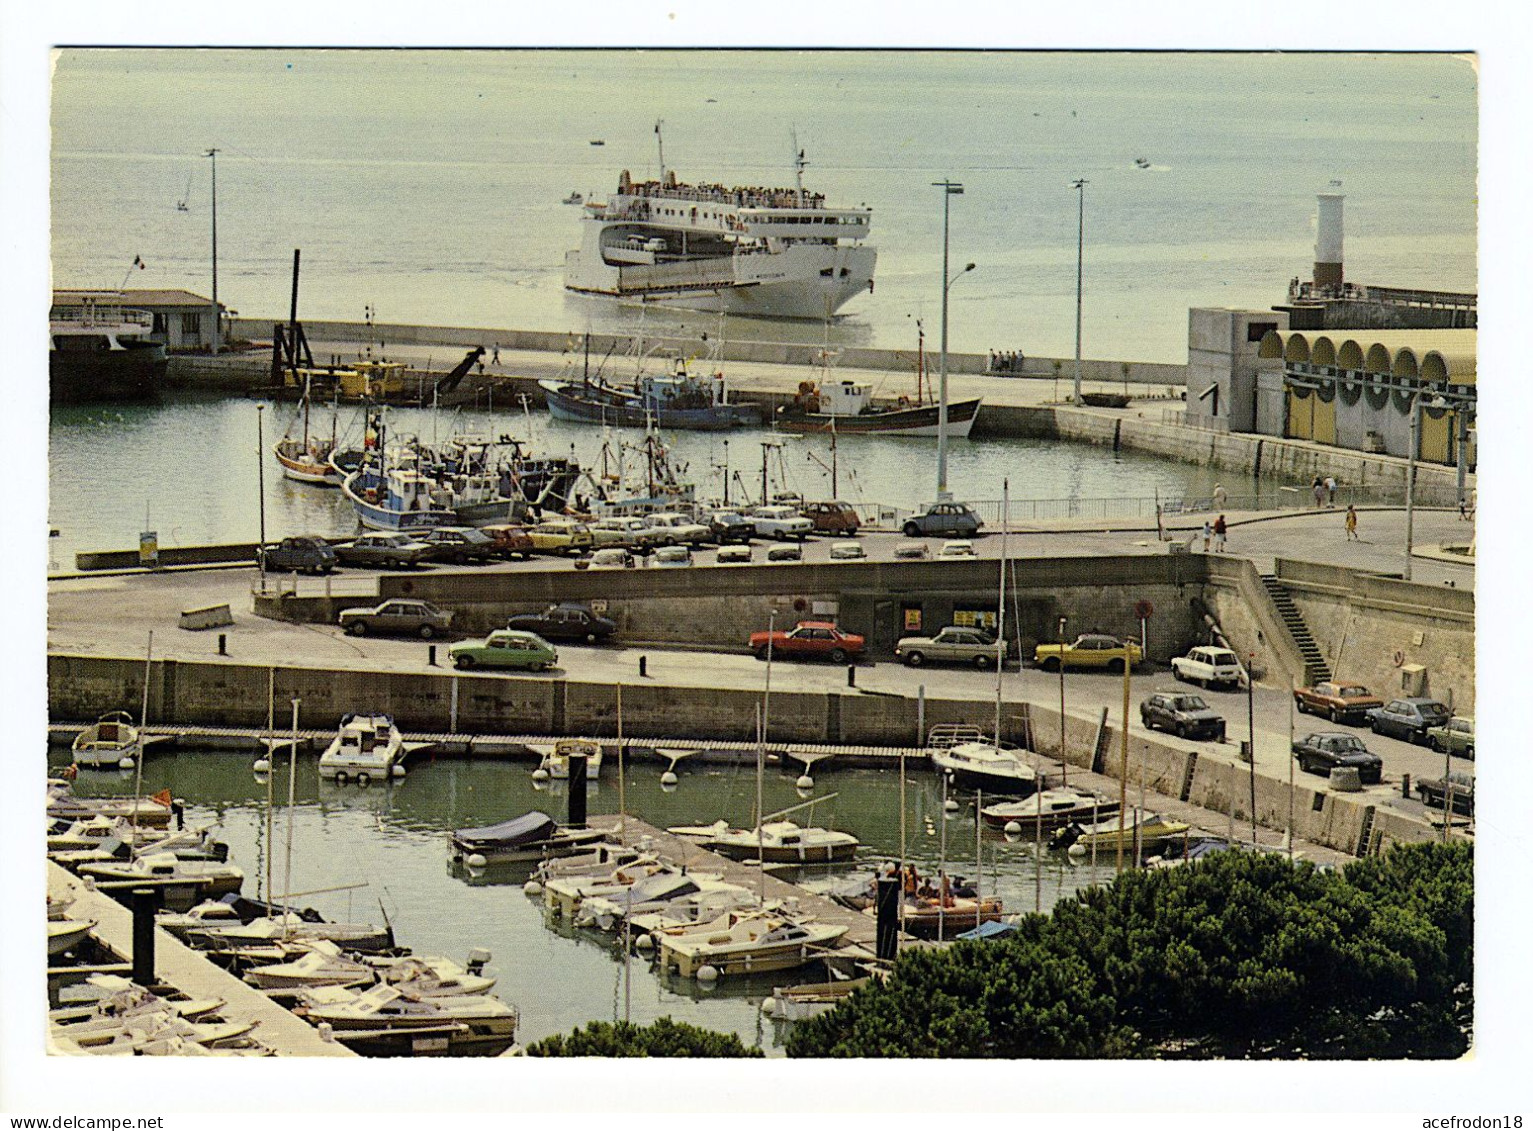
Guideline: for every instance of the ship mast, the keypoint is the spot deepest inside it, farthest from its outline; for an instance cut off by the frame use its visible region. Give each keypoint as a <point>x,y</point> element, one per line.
<point>660,143</point>
<point>798,168</point>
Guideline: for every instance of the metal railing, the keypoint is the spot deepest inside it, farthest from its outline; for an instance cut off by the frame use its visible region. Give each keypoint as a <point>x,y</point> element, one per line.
<point>273,584</point>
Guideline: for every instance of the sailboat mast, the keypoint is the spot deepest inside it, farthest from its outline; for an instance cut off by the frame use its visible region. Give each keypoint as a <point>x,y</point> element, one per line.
<point>138,761</point>
<point>622,800</point>
<point>271,708</point>
<point>760,816</point>
<point>292,801</point>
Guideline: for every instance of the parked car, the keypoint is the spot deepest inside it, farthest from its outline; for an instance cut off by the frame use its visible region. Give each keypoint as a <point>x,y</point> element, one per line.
<point>953,519</point>
<point>780,522</point>
<point>398,616</point>
<point>671,557</point>
<point>809,638</point>
<point>912,550</point>
<point>847,551</point>
<point>677,529</point>
<point>608,557</point>
<point>506,648</point>
<point>568,621</point>
<point>834,517</point>
<point>511,540</point>
<point>1184,715</point>
<point>1322,753</point>
<point>733,555</point>
<point>628,530</point>
<point>382,549</point>
<point>1409,719</point>
<point>729,526</point>
<point>1434,791</point>
<point>1209,666</point>
<point>957,548</point>
<point>1089,650</point>
<point>460,544</point>
<point>794,553</point>
<point>955,644</point>
<point>1337,700</point>
<point>302,553</point>
<point>1456,736</point>
<point>560,536</point>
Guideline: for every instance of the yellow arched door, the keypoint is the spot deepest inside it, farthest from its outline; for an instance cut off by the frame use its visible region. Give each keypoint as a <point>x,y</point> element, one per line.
<point>1301,414</point>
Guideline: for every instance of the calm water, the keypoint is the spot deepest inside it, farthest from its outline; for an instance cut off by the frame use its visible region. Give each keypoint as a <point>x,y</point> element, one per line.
<point>428,184</point>
<point>188,469</point>
<point>394,839</point>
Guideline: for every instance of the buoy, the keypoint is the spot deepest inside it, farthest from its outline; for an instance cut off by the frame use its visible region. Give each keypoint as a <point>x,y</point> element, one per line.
<point>644,942</point>
<point>1077,849</point>
<point>950,805</point>
<point>474,860</point>
<point>125,764</point>
<point>532,887</point>
<point>540,774</point>
<point>398,771</point>
<point>1013,830</point>
<point>262,766</point>
<point>769,1006</point>
<point>668,778</point>
<point>707,973</point>
<point>805,782</point>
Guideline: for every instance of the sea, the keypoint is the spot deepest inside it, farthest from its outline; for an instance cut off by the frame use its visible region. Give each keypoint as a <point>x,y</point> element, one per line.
<point>425,186</point>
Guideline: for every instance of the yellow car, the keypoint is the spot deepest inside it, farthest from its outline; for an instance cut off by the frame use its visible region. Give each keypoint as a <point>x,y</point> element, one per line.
<point>560,536</point>
<point>1090,650</point>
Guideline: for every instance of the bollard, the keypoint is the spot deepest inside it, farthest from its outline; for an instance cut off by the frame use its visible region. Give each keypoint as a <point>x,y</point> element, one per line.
<point>223,644</point>
<point>1405,786</point>
<point>887,900</point>
<point>851,675</point>
<point>179,809</point>
<point>643,665</point>
<point>577,805</point>
<point>431,655</point>
<point>145,900</point>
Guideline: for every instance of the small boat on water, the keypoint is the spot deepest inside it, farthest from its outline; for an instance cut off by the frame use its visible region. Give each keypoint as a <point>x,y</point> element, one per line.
<point>532,836</point>
<point>799,1003</point>
<point>64,934</point>
<point>744,942</point>
<point>384,1020</point>
<point>675,400</point>
<point>154,811</point>
<point>575,197</point>
<point>846,407</point>
<point>108,741</point>
<point>712,899</point>
<point>267,930</point>
<point>934,917</point>
<point>1136,830</point>
<point>183,882</point>
<point>777,842</point>
<point>1050,809</point>
<point>323,964</point>
<point>556,759</point>
<point>564,896</point>
<point>972,761</point>
<point>366,748</point>
<point>598,859</point>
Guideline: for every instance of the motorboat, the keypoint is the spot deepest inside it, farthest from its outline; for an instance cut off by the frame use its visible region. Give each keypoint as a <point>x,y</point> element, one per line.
<point>322,965</point>
<point>1136,829</point>
<point>182,882</point>
<point>597,860</point>
<point>288,928</point>
<point>366,748</point>
<point>986,765</point>
<point>564,896</point>
<point>764,252</point>
<point>779,842</point>
<point>104,838</point>
<point>799,1003</point>
<point>432,976</point>
<point>1050,809</point>
<point>935,917</point>
<point>374,1020</point>
<point>744,942</point>
<point>653,894</point>
<point>154,811</point>
<point>108,742</point>
<point>63,934</point>
<point>712,899</point>
<point>532,836</point>
<point>556,759</point>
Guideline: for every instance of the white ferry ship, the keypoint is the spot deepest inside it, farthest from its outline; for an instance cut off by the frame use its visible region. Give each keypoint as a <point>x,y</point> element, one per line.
<point>763,252</point>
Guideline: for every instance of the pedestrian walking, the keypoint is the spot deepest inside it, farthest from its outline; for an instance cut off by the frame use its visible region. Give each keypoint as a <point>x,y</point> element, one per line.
<point>495,355</point>
<point>1208,533</point>
<point>1330,490</point>
<point>1351,523</point>
<point>1219,531</point>
<point>1220,495</point>
<point>1317,488</point>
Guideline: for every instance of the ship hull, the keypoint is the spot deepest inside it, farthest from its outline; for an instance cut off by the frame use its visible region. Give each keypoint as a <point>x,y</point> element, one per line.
<point>566,403</point>
<point>80,376</point>
<point>920,421</point>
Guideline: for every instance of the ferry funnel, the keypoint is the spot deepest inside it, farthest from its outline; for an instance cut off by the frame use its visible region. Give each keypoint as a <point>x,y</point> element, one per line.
<point>1328,241</point>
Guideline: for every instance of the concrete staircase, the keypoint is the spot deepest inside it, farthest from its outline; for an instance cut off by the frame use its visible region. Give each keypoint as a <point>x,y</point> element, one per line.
<point>1316,670</point>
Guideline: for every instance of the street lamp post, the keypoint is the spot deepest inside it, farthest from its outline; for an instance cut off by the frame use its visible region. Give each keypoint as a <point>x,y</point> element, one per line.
<point>213,155</point>
<point>261,488</point>
<point>1062,763</point>
<point>1080,249</point>
<point>949,189</point>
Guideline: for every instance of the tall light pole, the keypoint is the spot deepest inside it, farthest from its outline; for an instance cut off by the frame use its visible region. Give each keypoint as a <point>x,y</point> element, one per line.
<point>1080,259</point>
<point>212,154</point>
<point>261,488</point>
<point>949,189</point>
<point>1410,480</point>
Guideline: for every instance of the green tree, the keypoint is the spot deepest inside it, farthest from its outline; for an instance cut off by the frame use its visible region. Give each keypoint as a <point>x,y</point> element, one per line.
<point>663,1038</point>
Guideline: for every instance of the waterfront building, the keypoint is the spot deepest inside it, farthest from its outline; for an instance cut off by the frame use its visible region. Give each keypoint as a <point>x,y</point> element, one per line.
<point>179,319</point>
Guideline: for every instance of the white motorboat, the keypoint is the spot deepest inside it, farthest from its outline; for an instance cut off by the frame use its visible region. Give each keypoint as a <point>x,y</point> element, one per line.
<point>981,763</point>
<point>1050,809</point>
<point>108,741</point>
<point>654,894</point>
<point>323,965</point>
<point>744,942</point>
<point>1136,829</point>
<point>532,836</point>
<point>426,976</point>
<point>707,903</point>
<point>365,749</point>
<point>777,842</point>
<point>764,252</point>
<point>598,860</point>
<point>564,896</point>
<point>799,1003</point>
<point>375,1020</point>
<point>556,759</point>
<point>66,933</point>
<point>182,882</point>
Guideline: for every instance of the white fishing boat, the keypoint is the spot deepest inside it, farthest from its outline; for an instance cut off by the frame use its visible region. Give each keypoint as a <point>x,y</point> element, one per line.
<point>108,742</point>
<point>764,252</point>
<point>366,748</point>
<point>744,942</point>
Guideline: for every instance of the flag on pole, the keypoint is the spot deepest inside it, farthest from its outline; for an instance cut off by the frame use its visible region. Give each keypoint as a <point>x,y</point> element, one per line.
<point>139,263</point>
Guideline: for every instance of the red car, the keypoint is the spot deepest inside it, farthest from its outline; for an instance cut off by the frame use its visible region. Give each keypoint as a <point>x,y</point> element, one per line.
<point>831,518</point>
<point>810,638</point>
<point>510,540</point>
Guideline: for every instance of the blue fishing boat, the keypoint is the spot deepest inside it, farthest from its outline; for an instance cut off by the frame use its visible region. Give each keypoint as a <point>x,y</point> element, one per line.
<point>675,400</point>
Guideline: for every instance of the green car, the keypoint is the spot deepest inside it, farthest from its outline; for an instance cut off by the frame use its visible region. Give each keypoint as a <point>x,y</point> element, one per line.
<point>1456,736</point>
<point>506,648</point>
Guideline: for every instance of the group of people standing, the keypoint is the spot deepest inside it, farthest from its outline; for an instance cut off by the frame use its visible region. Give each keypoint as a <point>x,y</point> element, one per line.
<point>1214,534</point>
<point>1324,490</point>
<point>1005,361</point>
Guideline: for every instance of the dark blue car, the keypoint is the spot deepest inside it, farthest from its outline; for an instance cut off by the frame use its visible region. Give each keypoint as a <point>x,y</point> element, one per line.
<point>1409,719</point>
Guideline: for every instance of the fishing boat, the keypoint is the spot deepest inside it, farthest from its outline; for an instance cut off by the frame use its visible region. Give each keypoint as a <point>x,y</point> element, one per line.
<point>744,942</point>
<point>384,1020</point>
<point>763,252</point>
<point>1137,830</point>
<point>1050,809</point>
<point>532,836</point>
<point>366,747</point>
<point>970,760</point>
<point>101,350</point>
<point>107,742</point>
<point>779,842</point>
<point>305,458</point>
<point>556,759</point>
